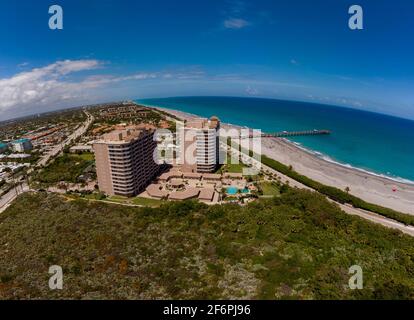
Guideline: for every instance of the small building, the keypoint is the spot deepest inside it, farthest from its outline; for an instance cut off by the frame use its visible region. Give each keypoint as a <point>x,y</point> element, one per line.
<point>212,176</point>
<point>15,156</point>
<point>192,175</point>
<point>206,194</point>
<point>21,145</point>
<point>3,147</point>
<point>155,191</point>
<point>81,149</point>
<point>177,183</point>
<point>189,193</point>
<point>165,177</point>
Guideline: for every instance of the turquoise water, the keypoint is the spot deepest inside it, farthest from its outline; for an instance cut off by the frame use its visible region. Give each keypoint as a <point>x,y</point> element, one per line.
<point>373,142</point>
<point>235,190</point>
<point>232,190</point>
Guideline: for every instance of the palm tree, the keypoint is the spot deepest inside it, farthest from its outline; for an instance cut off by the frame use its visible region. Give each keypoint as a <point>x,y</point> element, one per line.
<point>347,189</point>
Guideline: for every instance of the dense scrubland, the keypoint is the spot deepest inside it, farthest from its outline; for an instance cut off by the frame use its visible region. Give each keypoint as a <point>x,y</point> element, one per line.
<point>294,246</point>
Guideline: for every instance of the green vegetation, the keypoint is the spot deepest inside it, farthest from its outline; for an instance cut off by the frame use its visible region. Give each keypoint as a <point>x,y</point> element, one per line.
<point>137,201</point>
<point>231,167</point>
<point>269,189</point>
<point>234,168</point>
<point>296,246</point>
<point>119,199</point>
<point>147,202</point>
<point>87,156</point>
<point>64,168</point>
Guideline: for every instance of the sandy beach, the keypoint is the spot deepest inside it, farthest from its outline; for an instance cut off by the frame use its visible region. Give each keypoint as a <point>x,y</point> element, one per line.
<point>371,188</point>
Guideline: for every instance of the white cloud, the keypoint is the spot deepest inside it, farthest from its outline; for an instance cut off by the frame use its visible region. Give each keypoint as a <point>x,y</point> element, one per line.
<point>23,64</point>
<point>57,85</point>
<point>42,86</point>
<point>235,23</point>
<point>294,62</point>
<point>251,91</point>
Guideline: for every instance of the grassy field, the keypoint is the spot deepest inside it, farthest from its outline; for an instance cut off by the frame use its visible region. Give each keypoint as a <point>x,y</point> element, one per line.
<point>147,202</point>
<point>296,246</point>
<point>87,156</point>
<point>119,199</point>
<point>270,189</point>
<point>232,168</point>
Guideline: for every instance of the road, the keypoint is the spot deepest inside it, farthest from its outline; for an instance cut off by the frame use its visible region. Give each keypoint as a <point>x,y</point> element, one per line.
<point>76,134</point>
<point>9,197</point>
<point>373,217</point>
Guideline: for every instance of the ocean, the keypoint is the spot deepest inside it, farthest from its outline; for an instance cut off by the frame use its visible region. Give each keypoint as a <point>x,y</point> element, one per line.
<point>377,143</point>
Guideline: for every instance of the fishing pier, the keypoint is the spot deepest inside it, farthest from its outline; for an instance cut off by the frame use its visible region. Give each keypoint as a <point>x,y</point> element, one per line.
<point>286,134</point>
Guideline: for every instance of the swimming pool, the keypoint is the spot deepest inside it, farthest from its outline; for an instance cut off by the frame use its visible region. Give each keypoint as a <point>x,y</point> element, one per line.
<point>235,190</point>
<point>232,190</point>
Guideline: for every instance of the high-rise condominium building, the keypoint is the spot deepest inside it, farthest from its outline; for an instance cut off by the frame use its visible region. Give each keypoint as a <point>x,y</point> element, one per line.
<point>199,152</point>
<point>124,161</point>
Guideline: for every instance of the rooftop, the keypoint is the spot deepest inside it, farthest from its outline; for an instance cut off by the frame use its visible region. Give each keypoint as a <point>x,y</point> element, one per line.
<point>206,194</point>
<point>155,190</point>
<point>192,175</point>
<point>127,134</point>
<point>171,174</point>
<point>197,123</point>
<point>176,182</point>
<point>212,176</point>
<point>189,193</point>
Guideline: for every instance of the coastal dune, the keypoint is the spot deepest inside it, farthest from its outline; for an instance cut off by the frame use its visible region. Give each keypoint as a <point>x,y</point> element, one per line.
<point>369,187</point>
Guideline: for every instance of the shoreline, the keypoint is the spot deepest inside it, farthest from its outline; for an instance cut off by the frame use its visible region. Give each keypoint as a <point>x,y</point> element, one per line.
<point>369,186</point>
<point>327,158</point>
<point>311,152</point>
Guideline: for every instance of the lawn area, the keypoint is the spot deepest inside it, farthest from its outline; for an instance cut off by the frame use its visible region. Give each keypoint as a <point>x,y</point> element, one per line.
<point>232,168</point>
<point>118,199</point>
<point>235,168</point>
<point>147,202</point>
<point>87,156</point>
<point>270,189</point>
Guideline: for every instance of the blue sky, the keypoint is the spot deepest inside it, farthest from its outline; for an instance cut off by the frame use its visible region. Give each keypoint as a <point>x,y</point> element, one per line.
<point>296,50</point>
